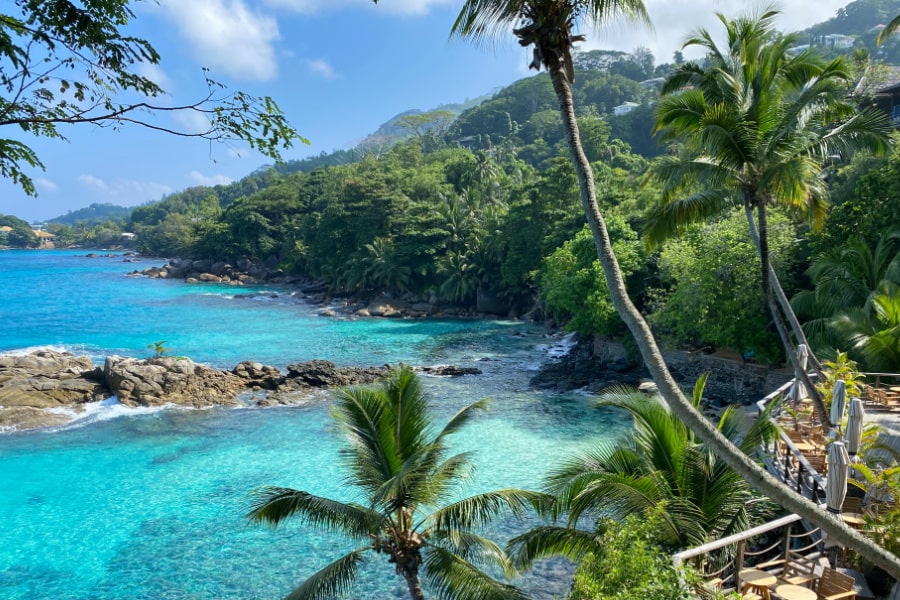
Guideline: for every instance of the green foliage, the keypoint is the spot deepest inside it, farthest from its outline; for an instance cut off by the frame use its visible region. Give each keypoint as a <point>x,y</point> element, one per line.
<point>573,287</point>
<point>713,293</point>
<point>663,462</point>
<point>841,368</point>
<point>21,234</point>
<point>403,468</point>
<point>159,348</point>
<point>631,563</point>
<point>866,201</point>
<point>94,214</point>
<point>841,311</point>
<point>71,63</point>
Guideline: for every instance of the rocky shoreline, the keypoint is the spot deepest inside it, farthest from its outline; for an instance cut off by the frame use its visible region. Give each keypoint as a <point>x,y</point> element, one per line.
<point>315,292</point>
<point>48,388</point>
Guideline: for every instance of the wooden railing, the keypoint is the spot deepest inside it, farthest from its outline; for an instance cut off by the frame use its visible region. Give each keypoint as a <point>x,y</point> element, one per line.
<point>724,559</point>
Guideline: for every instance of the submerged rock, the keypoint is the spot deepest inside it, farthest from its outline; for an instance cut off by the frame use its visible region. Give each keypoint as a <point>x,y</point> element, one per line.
<point>450,371</point>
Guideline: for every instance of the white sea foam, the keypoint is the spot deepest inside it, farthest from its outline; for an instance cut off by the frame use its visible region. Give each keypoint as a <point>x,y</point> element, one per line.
<point>104,410</point>
<point>558,349</point>
<point>32,349</point>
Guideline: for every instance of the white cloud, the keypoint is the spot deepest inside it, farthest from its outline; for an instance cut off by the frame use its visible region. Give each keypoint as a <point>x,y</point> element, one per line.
<point>125,192</point>
<point>322,68</point>
<point>199,178</point>
<point>154,73</point>
<point>226,35</point>
<point>417,7</point>
<point>674,20</point>
<point>45,185</point>
<point>191,121</point>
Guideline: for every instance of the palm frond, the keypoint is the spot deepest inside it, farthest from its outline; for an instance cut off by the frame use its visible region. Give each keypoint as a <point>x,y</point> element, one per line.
<point>333,581</point>
<point>452,578</point>
<point>478,511</point>
<point>272,505</point>
<point>546,541</point>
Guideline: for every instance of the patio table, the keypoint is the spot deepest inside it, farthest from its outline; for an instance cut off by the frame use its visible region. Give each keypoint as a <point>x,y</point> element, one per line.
<point>794,592</point>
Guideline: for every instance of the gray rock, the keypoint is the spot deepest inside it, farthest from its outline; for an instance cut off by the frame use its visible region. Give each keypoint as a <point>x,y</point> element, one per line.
<point>158,381</point>
<point>48,379</point>
<point>450,371</point>
<point>201,266</point>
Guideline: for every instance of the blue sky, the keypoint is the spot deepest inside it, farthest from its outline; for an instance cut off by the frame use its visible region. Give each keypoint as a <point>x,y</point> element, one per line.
<point>337,68</point>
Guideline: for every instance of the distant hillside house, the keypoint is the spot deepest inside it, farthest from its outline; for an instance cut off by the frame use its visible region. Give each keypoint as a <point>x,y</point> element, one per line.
<point>624,109</point>
<point>129,236</point>
<point>45,237</point>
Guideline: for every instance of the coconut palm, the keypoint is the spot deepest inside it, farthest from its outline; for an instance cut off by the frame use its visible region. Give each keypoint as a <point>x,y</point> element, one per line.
<point>407,481</point>
<point>873,332</point>
<point>549,25</point>
<point>847,278</point>
<point>661,463</point>
<point>757,124</point>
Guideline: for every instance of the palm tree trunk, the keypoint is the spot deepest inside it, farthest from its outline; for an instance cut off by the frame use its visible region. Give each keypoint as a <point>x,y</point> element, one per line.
<point>412,582</point>
<point>762,239</point>
<point>783,301</point>
<point>755,475</point>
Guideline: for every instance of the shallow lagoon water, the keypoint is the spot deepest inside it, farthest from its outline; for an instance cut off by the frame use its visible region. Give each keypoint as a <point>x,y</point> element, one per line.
<point>151,505</point>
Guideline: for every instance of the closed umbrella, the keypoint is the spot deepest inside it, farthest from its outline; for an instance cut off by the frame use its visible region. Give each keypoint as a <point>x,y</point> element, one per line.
<point>798,390</point>
<point>836,482</point>
<point>838,399</point>
<point>855,417</point>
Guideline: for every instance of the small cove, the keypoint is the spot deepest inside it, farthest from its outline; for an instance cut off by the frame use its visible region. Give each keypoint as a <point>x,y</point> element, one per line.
<point>151,505</point>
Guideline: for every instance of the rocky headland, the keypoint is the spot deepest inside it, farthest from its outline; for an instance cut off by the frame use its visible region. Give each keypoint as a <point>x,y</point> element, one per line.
<point>315,292</point>
<point>49,388</point>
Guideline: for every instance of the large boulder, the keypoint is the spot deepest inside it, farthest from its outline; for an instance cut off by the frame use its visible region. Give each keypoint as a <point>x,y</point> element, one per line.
<point>259,376</point>
<point>158,381</point>
<point>49,379</point>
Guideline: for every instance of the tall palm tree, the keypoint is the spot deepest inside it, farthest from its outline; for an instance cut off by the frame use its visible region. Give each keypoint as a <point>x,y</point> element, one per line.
<point>407,480</point>
<point>548,26</point>
<point>757,123</point>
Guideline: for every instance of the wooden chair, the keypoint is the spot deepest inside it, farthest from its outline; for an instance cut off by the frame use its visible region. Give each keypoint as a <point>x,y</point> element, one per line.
<point>852,505</point>
<point>835,586</point>
<point>817,462</point>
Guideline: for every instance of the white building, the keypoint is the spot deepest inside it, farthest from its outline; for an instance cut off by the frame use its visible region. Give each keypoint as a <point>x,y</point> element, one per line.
<point>624,109</point>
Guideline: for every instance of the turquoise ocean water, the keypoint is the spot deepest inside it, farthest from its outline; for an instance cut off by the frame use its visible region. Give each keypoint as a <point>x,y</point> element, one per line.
<point>150,505</point>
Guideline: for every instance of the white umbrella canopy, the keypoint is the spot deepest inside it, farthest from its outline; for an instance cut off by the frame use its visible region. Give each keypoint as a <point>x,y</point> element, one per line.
<point>836,482</point>
<point>838,400</point>
<point>798,391</point>
<point>855,417</point>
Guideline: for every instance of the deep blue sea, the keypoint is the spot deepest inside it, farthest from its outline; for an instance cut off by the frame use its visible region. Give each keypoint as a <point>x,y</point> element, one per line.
<point>127,504</point>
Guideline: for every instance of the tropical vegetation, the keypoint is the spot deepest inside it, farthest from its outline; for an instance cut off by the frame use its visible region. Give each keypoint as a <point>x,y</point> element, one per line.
<point>409,507</point>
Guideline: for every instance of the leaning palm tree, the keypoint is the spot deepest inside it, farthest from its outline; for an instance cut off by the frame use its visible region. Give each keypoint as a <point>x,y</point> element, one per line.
<point>408,481</point>
<point>548,25</point>
<point>757,125</point>
<point>661,463</point>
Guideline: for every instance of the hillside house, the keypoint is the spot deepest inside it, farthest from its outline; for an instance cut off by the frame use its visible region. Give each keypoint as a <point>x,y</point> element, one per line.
<point>624,108</point>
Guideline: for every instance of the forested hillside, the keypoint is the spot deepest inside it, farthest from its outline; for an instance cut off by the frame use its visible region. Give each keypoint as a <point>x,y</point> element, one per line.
<point>483,211</point>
